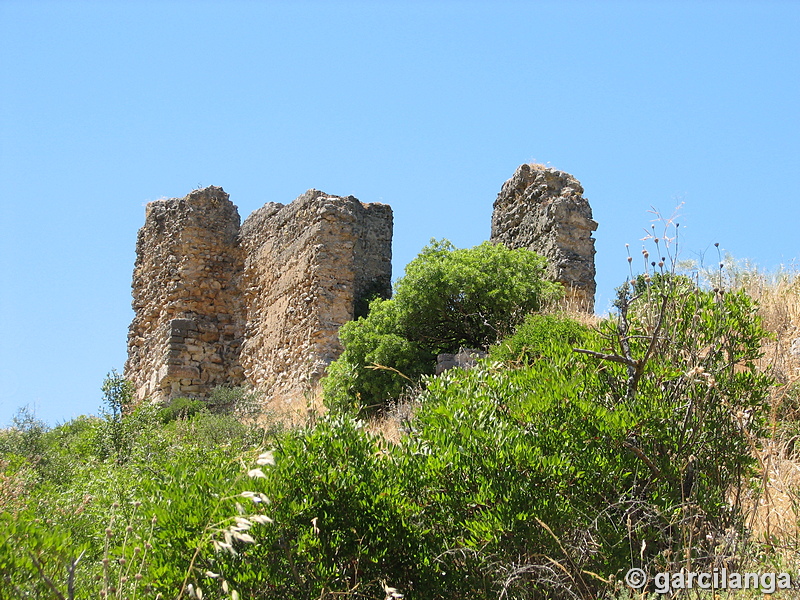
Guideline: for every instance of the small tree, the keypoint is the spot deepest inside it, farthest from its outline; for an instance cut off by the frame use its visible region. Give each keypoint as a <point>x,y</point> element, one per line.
<point>117,395</point>
<point>448,298</point>
<point>113,436</point>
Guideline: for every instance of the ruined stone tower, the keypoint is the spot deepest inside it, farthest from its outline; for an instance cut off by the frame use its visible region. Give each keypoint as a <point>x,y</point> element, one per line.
<point>544,210</point>
<point>186,334</point>
<point>219,304</point>
<point>309,266</point>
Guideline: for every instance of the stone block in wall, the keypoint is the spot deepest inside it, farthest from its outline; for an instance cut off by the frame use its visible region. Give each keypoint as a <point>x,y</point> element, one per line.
<point>182,372</point>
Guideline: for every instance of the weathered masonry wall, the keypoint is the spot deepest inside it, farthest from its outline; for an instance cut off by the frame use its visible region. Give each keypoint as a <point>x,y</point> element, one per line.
<point>308,266</point>
<point>544,210</point>
<point>186,334</point>
<point>219,304</point>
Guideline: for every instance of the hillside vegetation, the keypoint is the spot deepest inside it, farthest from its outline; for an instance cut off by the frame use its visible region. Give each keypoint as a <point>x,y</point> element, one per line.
<point>660,437</point>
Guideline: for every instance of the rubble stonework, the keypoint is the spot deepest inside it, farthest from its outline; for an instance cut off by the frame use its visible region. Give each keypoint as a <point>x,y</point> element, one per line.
<point>308,266</point>
<point>219,304</point>
<point>187,330</point>
<point>465,358</point>
<point>543,209</point>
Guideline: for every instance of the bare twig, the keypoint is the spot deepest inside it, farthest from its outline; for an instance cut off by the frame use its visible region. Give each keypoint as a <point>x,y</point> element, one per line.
<point>609,357</point>
<point>45,578</point>
<point>578,572</point>
<point>643,457</point>
<point>71,576</point>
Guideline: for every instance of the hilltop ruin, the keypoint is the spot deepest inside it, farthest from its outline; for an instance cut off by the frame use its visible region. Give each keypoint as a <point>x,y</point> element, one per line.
<point>217,303</point>
<point>222,303</point>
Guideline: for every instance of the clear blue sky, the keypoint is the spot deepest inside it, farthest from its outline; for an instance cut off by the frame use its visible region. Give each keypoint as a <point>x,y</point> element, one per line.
<point>427,106</point>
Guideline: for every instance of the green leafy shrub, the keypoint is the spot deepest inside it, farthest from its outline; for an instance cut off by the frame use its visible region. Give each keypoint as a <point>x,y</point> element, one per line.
<point>241,402</point>
<point>640,441</point>
<point>514,467</point>
<point>469,297</point>
<point>36,560</point>
<point>684,359</point>
<point>25,441</point>
<point>343,526</point>
<point>117,434</point>
<point>49,455</point>
<point>181,408</point>
<point>89,489</point>
<point>448,298</point>
<point>537,334</point>
<point>539,474</point>
<point>117,394</point>
<point>352,379</point>
<point>184,497</point>
<point>209,430</point>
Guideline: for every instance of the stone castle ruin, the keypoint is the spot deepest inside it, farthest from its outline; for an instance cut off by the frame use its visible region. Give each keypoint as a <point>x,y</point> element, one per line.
<point>544,210</point>
<point>219,303</point>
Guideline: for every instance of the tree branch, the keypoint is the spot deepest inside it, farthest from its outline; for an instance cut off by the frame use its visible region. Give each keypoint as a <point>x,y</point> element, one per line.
<point>610,357</point>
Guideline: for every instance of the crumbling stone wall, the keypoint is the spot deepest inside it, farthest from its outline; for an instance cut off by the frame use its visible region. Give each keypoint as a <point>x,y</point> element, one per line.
<point>186,334</point>
<point>219,304</point>
<point>544,210</point>
<point>308,266</point>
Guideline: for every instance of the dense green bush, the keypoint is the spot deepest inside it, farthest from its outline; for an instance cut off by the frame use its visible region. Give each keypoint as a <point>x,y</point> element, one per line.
<point>448,298</point>
<point>527,480</point>
<point>31,553</point>
<point>642,441</point>
<point>181,408</point>
<point>242,402</point>
<point>536,336</point>
<point>470,297</point>
<point>684,359</point>
<point>515,468</point>
<point>377,340</point>
<point>343,523</point>
<point>101,488</point>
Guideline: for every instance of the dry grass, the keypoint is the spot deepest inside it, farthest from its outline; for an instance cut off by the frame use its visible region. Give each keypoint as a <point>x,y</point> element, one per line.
<point>395,421</point>
<point>573,307</point>
<point>778,296</point>
<point>774,514</point>
<point>13,487</point>
<point>775,510</point>
<point>299,411</point>
<point>538,166</point>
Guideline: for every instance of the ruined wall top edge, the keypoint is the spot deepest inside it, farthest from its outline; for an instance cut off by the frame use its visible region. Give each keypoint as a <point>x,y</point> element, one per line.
<point>208,208</point>
<point>313,203</point>
<point>538,184</point>
<point>212,197</point>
